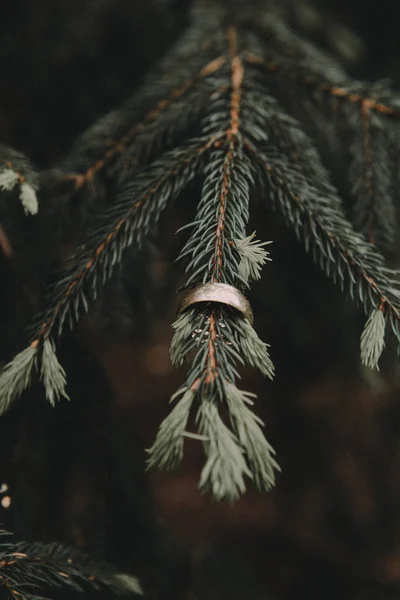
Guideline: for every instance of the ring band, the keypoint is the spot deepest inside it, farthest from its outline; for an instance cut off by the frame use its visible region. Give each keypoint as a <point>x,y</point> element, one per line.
<point>221,293</point>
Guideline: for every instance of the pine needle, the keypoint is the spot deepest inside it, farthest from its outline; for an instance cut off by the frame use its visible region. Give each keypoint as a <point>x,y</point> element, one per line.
<point>27,567</point>
<point>373,339</point>
<point>253,257</point>
<point>254,350</point>
<point>167,450</point>
<point>183,329</point>
<point>247,426</point>
<point>225,467</point>
<point>8,179</point>
<point>129,583</point>
<point>53,374</point>
<point>15,377</point>
<point>29,199</point>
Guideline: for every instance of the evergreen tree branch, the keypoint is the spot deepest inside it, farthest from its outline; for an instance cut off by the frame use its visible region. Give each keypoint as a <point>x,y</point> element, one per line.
<point>340,251</point>
<point>367,115</point>
<point>113,134</point>
<point>125,142</point>
<point>246,77</point>
<point>213,334</point>
<point>229,172</point>
<point>151,191</point>
<point>346,89</point>
<point>27,568</point>
<point>127,223</point>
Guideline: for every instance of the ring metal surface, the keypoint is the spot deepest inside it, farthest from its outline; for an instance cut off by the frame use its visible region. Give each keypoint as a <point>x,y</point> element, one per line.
<point>222,293</point>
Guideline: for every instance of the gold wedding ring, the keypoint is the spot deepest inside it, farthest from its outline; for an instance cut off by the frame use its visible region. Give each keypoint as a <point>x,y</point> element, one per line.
<point>222,293</point>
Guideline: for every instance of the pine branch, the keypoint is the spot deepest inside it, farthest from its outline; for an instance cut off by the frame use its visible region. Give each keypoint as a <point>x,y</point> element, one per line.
<point>268,123</point>
<point>222,217</point>
<point>342,253</point>
<point>216,337</point>
<point>127,223</point>
<point>365,111</point>
<point>339,86</point>
<point>16,171</point>
<point>240,80</point>
<point>373,339</point>
<point>128,138</point>
<point>27,568</point>
<point>164,86</point>
<point>371,171</point>
<point>132,218</point>
<point>172,113</point>
<point>284,52</point>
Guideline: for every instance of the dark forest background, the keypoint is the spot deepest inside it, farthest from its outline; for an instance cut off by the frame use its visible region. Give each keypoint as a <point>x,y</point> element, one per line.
<point>331,528</point>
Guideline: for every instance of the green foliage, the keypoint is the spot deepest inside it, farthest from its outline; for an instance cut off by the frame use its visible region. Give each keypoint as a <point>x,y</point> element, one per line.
<point>16,172</point>
<point>230,104</point>
<point>28,569</point>
<point>253,257</point>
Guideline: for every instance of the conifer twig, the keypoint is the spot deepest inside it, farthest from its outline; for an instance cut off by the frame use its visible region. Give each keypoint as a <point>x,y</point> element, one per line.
<point>17,172</point>
<point>230,104</point>
<point>28,568</point>
<point>215,335</point>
